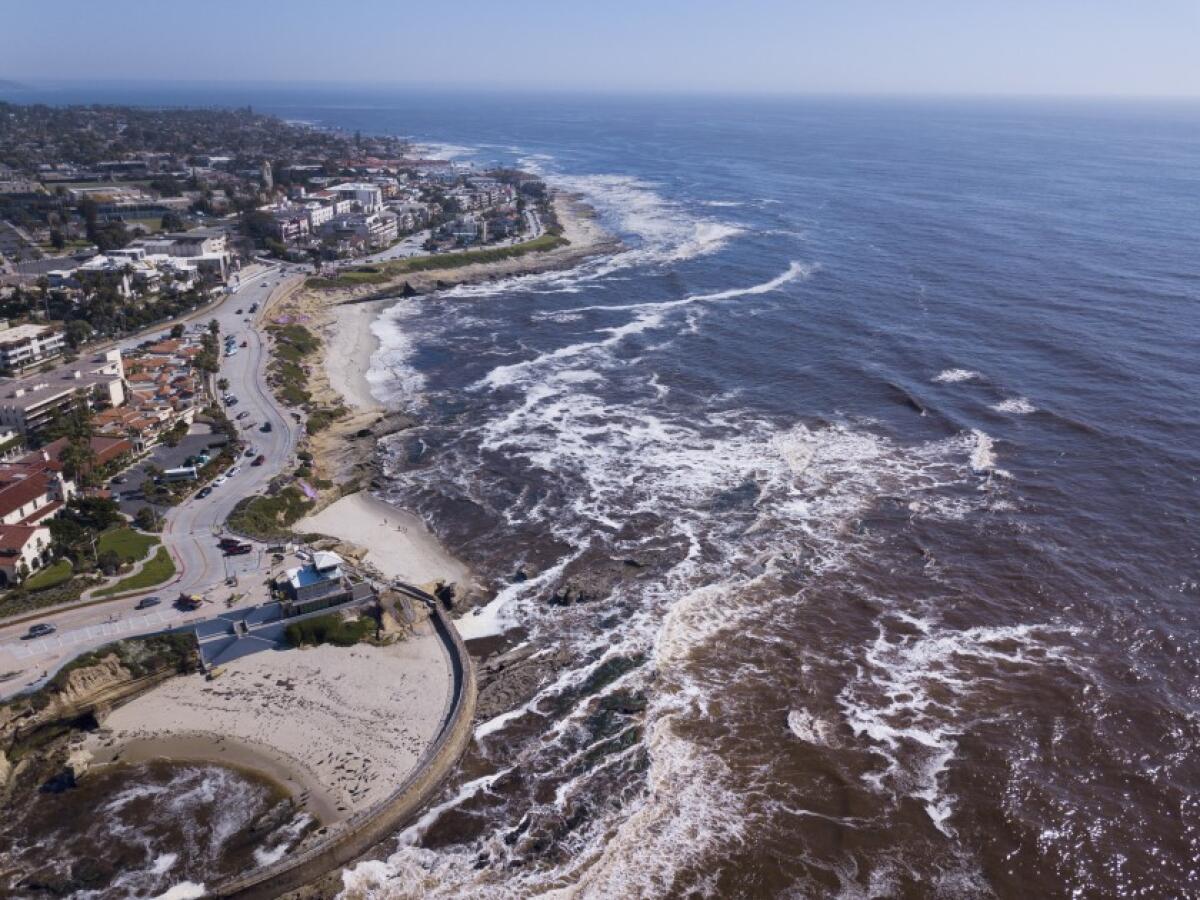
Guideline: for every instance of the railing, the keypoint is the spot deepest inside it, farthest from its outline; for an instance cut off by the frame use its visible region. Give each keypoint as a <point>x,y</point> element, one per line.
<point>364,829</point>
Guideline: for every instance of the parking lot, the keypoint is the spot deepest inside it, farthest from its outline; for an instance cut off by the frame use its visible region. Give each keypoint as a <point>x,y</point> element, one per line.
<point>129,494</point>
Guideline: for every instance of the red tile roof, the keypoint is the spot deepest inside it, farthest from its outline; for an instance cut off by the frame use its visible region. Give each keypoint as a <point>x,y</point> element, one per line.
<point>13,538</point>
<point>22,491</point>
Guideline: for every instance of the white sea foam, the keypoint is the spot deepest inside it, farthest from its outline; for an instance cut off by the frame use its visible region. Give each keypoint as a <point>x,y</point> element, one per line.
<point>185,890</point>
<point>282,840</point>
<point>1016,406</point>
<point>983,455</point>
<point>954,376</point>
<point>646,316</point>
<point>809,728</point>
<point>908,683</point>
<point>810,482</point>
<point>164,862</point>
<point>443,151</point>
<point>391,373</point>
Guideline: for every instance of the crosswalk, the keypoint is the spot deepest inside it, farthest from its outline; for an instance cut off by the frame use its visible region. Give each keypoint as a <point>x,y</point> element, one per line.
<point>159,620</point>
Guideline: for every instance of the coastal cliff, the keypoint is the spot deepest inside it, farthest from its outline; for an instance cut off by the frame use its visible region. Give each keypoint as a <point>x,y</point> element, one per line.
<point>34,728</point>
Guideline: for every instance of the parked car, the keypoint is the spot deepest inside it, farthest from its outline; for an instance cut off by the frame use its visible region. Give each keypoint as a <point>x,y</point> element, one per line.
<point>250,451</point>
<point>238,312</point>
<point>232,401</point>
<point>219,480</point>
<point>40,630</point>
<point>233,471</point>
<point>147,602</point>
<point>226,542</point>
<point>266,426</point>
<point>259,460</point>
<point>117,479</point>
<point>239,550</point>
<point>245,344</point>
<point>242,414</point>
<point>204,492</point>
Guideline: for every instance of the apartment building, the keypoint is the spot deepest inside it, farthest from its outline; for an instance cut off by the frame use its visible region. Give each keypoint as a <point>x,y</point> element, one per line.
<point>25,346</point>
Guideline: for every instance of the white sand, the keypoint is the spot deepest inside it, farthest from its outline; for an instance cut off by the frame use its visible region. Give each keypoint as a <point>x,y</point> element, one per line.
<point>348,345</point>
<point>396,541</point>
<point>345,725</point>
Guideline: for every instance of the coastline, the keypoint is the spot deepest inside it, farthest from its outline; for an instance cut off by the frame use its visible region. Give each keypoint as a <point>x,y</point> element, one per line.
<point>289,774</point>
<point>336,727</point>
<point>344,454</point>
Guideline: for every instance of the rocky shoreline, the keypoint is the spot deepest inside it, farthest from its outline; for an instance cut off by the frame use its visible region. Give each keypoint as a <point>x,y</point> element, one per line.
<point>346,453</point>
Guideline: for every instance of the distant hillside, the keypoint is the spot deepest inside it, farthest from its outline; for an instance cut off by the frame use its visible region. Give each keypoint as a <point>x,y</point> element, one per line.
<point>6,85</point>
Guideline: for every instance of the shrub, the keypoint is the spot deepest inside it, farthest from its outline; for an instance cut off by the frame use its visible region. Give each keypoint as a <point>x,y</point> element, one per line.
<point>160,568</point>
<point>269,517</point>
<point>330,629</point>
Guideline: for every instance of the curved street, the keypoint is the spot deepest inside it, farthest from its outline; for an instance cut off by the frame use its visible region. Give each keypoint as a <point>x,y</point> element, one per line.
<point>190,529</point>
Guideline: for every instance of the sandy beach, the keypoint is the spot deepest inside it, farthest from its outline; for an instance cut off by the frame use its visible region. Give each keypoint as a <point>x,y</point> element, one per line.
<point>339,728</point>
<point>349,343</point>
<point>397,542</point>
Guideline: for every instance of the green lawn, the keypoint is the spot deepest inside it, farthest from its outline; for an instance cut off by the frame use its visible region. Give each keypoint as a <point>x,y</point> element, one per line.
<point>51,576</point>
<point>126,543</point>
<point>158,570</point>
<point>382,272</point>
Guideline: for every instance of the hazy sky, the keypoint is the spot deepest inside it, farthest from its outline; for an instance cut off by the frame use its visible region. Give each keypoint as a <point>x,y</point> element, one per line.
<point>1136,47</point>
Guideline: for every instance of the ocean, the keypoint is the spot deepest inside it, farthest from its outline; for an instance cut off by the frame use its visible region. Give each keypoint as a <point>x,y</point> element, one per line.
<point>856,498</point>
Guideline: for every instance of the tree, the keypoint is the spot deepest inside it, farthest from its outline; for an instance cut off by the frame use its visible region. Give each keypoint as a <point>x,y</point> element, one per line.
<point>57,241</point>
<point>69,537</point>
<point>177,331</point>
<point>72,422</point>
<point>146,519</point>
<point>222,384</point>
<point>98,513</point>
<point>214,327</point>
<point>77,332</point>
<point>78,460</point>
<point>109,562</point>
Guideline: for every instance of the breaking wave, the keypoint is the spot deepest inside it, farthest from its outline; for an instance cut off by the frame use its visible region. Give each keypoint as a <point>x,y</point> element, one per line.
<point>910,686</point>
<point>954,376</point>
<point>1016,406</point>
<point>648,316</point>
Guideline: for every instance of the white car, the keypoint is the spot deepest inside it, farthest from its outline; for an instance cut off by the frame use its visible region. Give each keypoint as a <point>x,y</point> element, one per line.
<point>233,471</point>
<point>219,480</point>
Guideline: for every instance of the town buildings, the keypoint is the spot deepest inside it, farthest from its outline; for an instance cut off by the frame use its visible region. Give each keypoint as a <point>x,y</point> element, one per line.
<point>29,403</point>
<point>318,585</point>
<point>25,346</point>
<point>32,490</point>
<point>23,550</point>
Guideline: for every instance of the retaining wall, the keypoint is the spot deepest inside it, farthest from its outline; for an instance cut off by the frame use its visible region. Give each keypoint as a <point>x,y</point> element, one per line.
<point>350,839</point>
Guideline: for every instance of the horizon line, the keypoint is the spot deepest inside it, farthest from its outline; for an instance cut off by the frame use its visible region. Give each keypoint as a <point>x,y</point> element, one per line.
<point>39,85</point>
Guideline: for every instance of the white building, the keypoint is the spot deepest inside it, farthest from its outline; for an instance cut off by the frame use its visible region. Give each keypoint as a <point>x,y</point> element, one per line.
<point>368,197</point>
<point>28,404</point>
<point>23,550</point>
<point>28,345</point>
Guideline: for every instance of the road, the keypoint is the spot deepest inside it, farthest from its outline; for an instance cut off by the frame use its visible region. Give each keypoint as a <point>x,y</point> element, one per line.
<point>190,528</point>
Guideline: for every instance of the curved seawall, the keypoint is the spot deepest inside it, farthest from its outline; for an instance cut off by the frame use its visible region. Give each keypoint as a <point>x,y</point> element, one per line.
<point>350,839</point>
